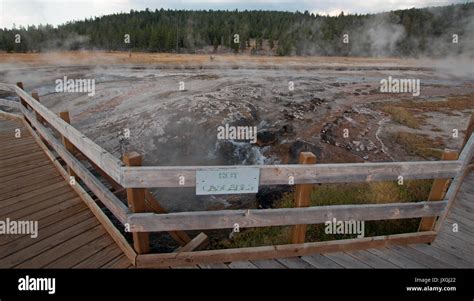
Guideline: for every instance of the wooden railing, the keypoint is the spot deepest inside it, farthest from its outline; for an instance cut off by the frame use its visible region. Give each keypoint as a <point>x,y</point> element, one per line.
<point>144,214</point>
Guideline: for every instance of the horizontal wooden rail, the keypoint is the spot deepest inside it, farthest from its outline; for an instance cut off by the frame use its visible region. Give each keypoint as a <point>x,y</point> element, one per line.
<point>97,154</point>
<point>281,251</point>
<point>9,103</point>
<point>168,176</point>
<point>7,87</point>
<point>222,219</point>
<point>119,209</point>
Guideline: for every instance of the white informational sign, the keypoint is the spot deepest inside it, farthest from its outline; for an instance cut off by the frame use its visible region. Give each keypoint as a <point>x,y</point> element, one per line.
<point>227,180</point>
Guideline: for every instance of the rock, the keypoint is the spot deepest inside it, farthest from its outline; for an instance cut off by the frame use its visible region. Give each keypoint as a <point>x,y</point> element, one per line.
<point>286,129</point>
<point>266,137</point>
<point>268,195</point>
<point>302,146</point>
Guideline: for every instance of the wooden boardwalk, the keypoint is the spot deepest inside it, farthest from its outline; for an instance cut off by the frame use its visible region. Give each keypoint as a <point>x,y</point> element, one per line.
<point>32,189</point>
<point>70,236</point>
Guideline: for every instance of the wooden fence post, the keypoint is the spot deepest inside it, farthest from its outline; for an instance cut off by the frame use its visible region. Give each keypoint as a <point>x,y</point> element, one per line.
<point>302,199</point>
<point>437,192</point>
<point>22,101</point>
<point>38,116</point>
<point>136,203</point>
<point>67,144</point>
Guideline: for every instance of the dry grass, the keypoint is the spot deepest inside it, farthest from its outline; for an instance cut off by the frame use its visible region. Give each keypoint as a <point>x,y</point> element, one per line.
<point>418,145</point>
<point>402,116</point>
<point>119,57</point>
<point>339,194</point>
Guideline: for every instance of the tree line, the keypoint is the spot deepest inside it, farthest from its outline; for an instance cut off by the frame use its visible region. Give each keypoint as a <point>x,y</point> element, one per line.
<point>409,32</point>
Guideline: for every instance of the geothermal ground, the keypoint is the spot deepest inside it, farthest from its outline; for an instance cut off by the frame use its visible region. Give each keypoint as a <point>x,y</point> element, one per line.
<point>172,127</point>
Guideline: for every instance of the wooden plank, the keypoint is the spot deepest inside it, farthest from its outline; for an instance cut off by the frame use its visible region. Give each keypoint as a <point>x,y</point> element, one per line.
<point>43,233</point>
<point>99,214</point>
<point>47,217</point>
<point>21,174</point>
<point>108,198</point>
<point>24,166</point>
<point>437,192</point>
<point>420,257</point>
<point>218,265</point>
<point>80,254</point>
<point>7,87</point>
<point>199,242</point>
<point>347,261</point>
<point>223,219</point>
<point>136,203</point>
<point>268,264</point>
<point>443,256</point>
<point>167,176</point>
<point>10,116</point>
<point>302,199</point>
<point>101,157</point>
<point>464,226</point>
<point>279,251</point>
<point>27,211</point>
<point>55,196</point>
<point>62,250</point>
<point>396,258</point>
<point>119,262</point>
<point>321,262</point>
<point>241,265</point>
<point>43,245</point>
<point>44,189</point>
<point>453,246</point>
<point>100,258</point>
<point>10,104</point>
<point>372,260</point>
<point>294,263</point>
<point>15,186</point>
<point>21,159</point>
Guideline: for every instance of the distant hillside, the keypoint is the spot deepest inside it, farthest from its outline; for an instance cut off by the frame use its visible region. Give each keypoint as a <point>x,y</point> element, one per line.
<point>411,32</point>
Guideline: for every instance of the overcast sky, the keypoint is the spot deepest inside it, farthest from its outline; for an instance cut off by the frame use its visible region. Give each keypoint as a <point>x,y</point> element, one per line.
<point>28,12</point>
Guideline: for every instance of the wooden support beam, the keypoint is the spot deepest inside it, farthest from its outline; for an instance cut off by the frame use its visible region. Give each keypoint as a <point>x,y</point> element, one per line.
<point>280,251</point>
<point>154,206</point>
<point>136,203</point>
<point>437,192</point>
<point>198,242</point>
<point>302,199</point>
